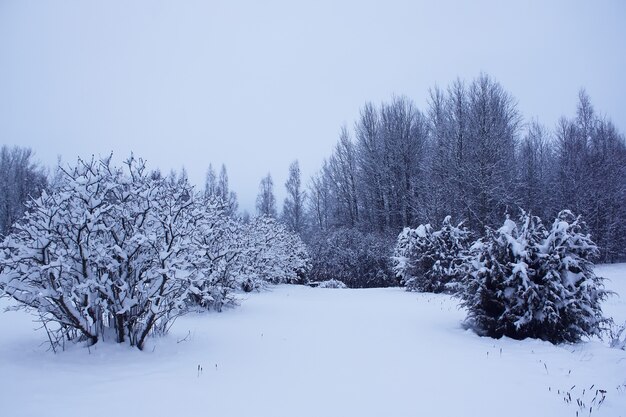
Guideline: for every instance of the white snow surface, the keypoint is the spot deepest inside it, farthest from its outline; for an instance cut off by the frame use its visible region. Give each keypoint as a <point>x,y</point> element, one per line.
<point>300,351</point>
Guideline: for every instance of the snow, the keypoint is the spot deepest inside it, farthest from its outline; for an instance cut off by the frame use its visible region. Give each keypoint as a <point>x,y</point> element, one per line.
<point>300,351</point>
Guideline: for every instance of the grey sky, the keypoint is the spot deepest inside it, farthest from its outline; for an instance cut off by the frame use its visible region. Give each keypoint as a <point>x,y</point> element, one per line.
<point>257,84</point>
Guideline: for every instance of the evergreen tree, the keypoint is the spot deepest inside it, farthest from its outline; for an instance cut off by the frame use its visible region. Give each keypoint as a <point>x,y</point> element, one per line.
<point>576,290</point>
<point>431,261</point>
<point>528,282</point>
<point>450,256</point>
<point>414,256</point>
<point>496,263</point>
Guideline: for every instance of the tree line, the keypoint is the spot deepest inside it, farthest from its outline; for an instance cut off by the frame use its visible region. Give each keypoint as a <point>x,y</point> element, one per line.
<point>469,155</point>
<point>120,252</point>
<point>102,251</point>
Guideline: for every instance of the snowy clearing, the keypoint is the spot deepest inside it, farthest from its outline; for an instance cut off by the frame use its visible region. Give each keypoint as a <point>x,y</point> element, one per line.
<point>300,351</point>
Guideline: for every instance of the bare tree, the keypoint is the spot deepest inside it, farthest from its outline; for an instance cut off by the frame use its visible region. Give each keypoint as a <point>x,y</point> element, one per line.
<point>21,179</point>
<point>293,207</point>
<point>319,201</point>
<point>591,172</point>
<point>210,183</point>
<point>265,200</point>
<point>535,182</point>
<point>489,173</point>
<point>217,188</point>
<point>341,170</point>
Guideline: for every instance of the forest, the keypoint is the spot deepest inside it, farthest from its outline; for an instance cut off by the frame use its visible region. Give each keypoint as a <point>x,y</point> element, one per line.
<point>119,252</point>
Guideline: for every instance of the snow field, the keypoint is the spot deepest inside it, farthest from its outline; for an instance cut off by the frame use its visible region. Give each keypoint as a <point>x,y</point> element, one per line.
<point>299,351</point>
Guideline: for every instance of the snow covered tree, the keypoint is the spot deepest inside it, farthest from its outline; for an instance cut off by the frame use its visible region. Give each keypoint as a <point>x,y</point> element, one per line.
<point>490,288</point>
<point>576,290</point>
<point>450,258</point>
<point>272,254</point>
<point>431,261</point>
<point>528,282</point>
<point>218,242</point>
<point>107,253</point>
<point>413,257</point>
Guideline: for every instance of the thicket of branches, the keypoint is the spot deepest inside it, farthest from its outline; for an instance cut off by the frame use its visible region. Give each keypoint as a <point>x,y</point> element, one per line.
<point>21,178</point>
<point>119,253</point>
<point>470,155</point>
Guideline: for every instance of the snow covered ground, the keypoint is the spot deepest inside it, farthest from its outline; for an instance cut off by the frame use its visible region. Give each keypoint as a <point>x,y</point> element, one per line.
<point>299,351</point>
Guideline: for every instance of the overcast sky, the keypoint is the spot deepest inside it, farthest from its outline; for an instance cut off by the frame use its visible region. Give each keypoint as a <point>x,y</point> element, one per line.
<point>257,84</point>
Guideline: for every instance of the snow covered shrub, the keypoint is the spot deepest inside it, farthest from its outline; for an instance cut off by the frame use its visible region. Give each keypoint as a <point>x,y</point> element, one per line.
<point>217,238</point>
<point>568,274</point>
<point>530,282</point>
<point>107,253</point>
<point>431,261</point>
<point>412,257</point>
<point>272,254</point>
<point>360,260</point>
<point>332,283</point>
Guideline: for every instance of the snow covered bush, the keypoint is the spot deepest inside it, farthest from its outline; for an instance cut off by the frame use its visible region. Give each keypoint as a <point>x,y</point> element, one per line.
<point>431,261</point>
<point>529,282</point>
<point>218,240</point>
<point>109,253</point>
<point>272,254</point>
<point>410,257</point>
<point>360,260</point>
<point>332,283</point>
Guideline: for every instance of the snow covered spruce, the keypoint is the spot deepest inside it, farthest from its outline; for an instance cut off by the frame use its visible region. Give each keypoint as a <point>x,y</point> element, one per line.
<point>526,281</point>
<point>518,281</point>
<point>431,261</point>
<point>119,253</point>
